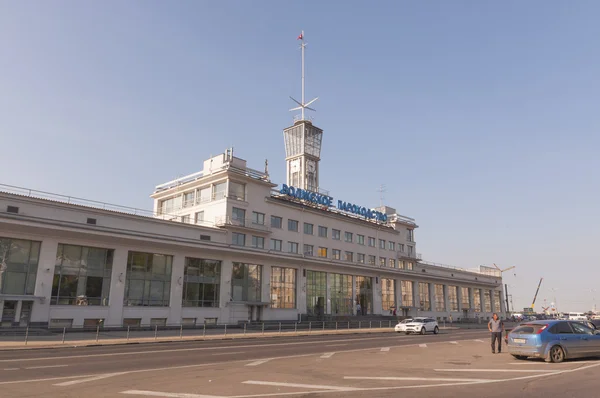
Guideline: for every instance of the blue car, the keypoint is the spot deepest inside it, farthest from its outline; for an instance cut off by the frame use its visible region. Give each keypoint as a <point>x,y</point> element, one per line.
<point>553,340</point>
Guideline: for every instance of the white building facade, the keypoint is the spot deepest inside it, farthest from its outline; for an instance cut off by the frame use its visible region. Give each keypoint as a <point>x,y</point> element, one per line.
<point>224,245</point>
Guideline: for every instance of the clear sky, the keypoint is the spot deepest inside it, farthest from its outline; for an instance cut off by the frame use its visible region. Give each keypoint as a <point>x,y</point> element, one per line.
<point>481,118</point>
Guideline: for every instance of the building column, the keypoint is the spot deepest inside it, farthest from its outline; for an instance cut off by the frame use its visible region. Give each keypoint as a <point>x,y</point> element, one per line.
<point>459,298</point>
<point>327,303</point>
<point>416,299</point>
<point>301,291</point>
<point>117,288</point>
<point>225,295</point>
<point>398,295</point>
<point>446,303</point>
<point>503,303</point>
<point>175,298</point>
<point>377,283</point>
<point>353,294</point>
<point>472,300</point>
<point>44,278</point>
<point>432,296</point>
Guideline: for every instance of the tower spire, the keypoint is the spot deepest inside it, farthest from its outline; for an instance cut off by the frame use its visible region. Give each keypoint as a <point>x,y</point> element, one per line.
<point>303,105</point>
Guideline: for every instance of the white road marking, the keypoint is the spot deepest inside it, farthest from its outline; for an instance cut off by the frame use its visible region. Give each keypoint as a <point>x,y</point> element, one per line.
<point>46,367</point>
<point>423,345</point>
<point>335,345</point>
<point>259,362</point>
<point>11,369</point>
<point>227,353</point>
<point>497,370</point>
<point>410,378</point>
<point>453,342</point>
<point>479,341</point>
<point>44,379</point>
<point>327,355</point>
<point>88,379</point>
<point>385,349</point>
<point>167,394</point>
<point>295,385</point>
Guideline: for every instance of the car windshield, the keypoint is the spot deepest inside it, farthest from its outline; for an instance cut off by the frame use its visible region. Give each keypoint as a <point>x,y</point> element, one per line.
<point>418,320</point>
<point>532,328</point>
<point>407,321</point>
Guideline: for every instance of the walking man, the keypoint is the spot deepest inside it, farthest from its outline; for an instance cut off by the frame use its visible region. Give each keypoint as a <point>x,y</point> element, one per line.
<point>496,327</point>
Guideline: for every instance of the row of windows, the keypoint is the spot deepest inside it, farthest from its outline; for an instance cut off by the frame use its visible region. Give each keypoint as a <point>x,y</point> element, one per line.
<point>202,195</point>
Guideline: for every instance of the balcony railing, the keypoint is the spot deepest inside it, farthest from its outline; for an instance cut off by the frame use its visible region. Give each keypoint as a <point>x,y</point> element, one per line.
<point>415,256</point>
<point>225,221</point>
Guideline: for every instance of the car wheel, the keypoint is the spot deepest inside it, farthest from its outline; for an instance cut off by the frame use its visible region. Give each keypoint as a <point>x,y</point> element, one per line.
<point>520,357</point>
<point>423,331</point>
<point>557,354</point>
<point>436,330</point>
<point>407,333</point>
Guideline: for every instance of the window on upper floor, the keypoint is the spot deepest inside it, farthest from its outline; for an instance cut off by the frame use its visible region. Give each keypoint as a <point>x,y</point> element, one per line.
<point>293,247</point>
<point>258,242</point>
<point>336,254</point>
<point>371,241</point>
<point>381,244</point>
<point>335,234</point>
<point>308,228</point>
<point>322,231</point>
<point>392,263</point>
<point>349,256</point>
<point>293,225</point>
<point>360,239</point>
<point>188,199</point>
<point>361,258</point>
<point>276,222</point>
<point>371,260</point>
<point>258,218</point>
<point>237,190</point>
<point>382,261</point>
<point>348,237</point>
<point>238,214</point>
<point>392,246</point>
<point>410,235</point>
<point>322,252</point>
<point>401,247</point>
<point>204,195</point>
<point>219,190</point>
<point>309,250</point>
<point>276,244</point>
<point>238,239</point>
<point>186,219</point>
<point>199,217</point>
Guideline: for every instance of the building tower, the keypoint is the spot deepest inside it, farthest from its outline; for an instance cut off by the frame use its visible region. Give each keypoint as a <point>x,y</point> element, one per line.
<point>303,143</point>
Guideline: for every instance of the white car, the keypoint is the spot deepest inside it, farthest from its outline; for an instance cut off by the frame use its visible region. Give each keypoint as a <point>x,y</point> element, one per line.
<point>422,326</point>
<point>401,326</point>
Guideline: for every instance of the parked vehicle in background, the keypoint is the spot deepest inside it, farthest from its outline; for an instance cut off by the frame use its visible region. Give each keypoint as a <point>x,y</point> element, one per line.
<point>554,341</point>
<point>577,316</point>
<point>422,326</point>
<point>401,326</point>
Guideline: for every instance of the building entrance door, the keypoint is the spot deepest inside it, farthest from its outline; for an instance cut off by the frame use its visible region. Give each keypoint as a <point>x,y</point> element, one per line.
<point>9,312</point>
<point>26,307</point>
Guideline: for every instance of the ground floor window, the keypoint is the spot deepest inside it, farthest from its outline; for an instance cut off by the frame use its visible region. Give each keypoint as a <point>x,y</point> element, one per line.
<point>341,294</point>
<point>201,282</point>
<point>453,298</point>
<point>283,287</point>
<point>406,288</point>
<point>246,282</point>
<point>364,294</point>
<point>425,303</point>
<point>316,293</point>
<point>487,300</point>
<point>465,299</point>
<point>388,295</point>
<point>18,266</point>
<point>477,300</point>
<point>148,279</point>
<point>440,304</point>
<point>497,301</point>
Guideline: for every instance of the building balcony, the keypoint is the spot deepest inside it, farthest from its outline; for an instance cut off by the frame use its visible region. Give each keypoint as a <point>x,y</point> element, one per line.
<point>408,256</point>
<point>242,223</point>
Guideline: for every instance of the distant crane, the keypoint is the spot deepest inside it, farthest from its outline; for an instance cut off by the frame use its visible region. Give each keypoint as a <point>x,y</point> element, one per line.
<point>536,293</point>
<point>505,269</point>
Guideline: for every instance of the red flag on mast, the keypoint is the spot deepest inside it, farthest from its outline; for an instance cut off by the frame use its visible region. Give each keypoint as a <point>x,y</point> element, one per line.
<point>300,37</point>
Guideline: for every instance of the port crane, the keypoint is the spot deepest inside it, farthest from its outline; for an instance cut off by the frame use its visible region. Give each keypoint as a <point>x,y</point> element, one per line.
<point>536,293</point>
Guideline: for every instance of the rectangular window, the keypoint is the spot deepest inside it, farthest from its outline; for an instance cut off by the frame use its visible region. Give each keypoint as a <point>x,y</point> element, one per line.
<point>276,244</point>
<point>201,283</point>
<point>349,256</point>
<point>410,251</point>
<point>188,199</point>
<point>388,295</point>
<point>322,231</point>
<point>392,246</point>
<point>392,263</point>
<point>497,299</point>
<point>453,298</point>
<point>410,235</point>
<point>477,300</point>
<point>246,282</point>
<point>323,252</point>
<point>401,247</point>
<point>371,260</point>
<point>258,218</point>
<point>348,237</point>
<point>309,250</point>
<point>199,217</point>
<point>186,219</point>
<point>237,190</point>
<point>293,225</point>
<point>308,228</point>
<point>440,304</point>
<point>238,216</point>
<point>335,234</point>
<point>204,195</point>
<point>409,265</point>
<point>381,244</point>
<point>81,275</point>
<point>360,239</point>
<point>361,258</point>
<point>465,300</point>
<point>276,222</point>
<point>341,294</point>
<point>336,254</point>
<point>293,247</point>
<point>407,293</point>
<point>148,279</point>
<point>238,239</point>
<point>219,190</point>
<point>258,242</point>
<point>424,304</point>
<point>283,287</point>
<point>400,264</point>
<point>19,262</point>
<point>371,241</point>
<point>487,301</point>
<point>382,261</point>
<point>316,292</point>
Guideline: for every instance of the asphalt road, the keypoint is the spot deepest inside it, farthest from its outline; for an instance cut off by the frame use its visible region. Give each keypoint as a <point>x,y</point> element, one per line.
<point>450,364</point>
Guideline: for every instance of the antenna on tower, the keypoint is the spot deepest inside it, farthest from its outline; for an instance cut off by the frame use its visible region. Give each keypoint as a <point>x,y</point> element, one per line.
<point>381,191</point>
<point>303,105</point>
